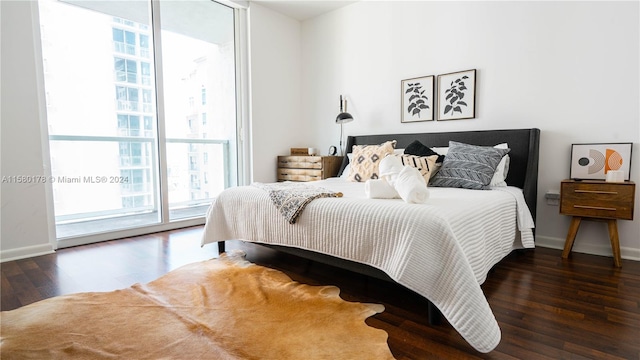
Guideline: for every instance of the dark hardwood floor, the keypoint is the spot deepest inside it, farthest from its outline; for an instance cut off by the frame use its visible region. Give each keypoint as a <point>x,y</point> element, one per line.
<point>547,307</point>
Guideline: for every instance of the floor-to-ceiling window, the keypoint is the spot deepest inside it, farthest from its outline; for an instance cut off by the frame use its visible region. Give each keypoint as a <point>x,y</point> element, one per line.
<point>199,81</point>
<point>138,137</point>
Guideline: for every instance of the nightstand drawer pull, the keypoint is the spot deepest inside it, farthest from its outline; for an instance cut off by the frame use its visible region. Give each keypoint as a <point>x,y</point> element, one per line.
<point>597,192</point>
<point>594,207</point>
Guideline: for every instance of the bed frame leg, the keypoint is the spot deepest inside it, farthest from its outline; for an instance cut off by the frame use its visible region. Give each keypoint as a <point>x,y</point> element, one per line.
<point>435,316</point>
<point>220,247</point>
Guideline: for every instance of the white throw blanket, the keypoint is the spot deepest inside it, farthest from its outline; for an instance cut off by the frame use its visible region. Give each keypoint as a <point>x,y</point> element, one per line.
<point>396,181</point>
<point>443,250</point>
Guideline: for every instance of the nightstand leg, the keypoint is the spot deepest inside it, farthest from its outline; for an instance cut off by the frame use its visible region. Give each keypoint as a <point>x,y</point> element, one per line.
<point>571,236</point>
<point>615,241</point>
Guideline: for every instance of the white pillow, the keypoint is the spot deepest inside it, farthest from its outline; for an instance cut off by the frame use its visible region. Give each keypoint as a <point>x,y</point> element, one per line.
<point>441,150</point>
<point>345,172</point>
<point>347,169</point>
<point>502,169</point>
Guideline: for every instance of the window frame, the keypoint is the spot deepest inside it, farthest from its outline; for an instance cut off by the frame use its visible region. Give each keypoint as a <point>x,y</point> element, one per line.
<point>242,149</point>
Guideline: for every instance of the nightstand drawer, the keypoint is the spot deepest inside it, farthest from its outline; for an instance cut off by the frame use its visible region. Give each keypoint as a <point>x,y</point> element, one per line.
<point>300,162</point>
<point>597,199</point>
<point>299,174</point>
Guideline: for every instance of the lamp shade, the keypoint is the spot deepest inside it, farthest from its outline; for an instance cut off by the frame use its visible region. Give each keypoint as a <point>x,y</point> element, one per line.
<point>344,116</point>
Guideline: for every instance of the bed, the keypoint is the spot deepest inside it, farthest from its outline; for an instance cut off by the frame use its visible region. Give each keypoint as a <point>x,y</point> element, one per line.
<point>442,250</point>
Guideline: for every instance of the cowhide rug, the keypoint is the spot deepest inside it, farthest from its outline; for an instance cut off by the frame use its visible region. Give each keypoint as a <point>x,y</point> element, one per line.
<point>225,308</point>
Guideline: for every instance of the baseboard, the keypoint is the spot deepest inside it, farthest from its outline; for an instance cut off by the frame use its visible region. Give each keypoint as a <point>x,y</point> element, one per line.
<point>601,250</point>
<point>25,252</point>
<point>542,241</point>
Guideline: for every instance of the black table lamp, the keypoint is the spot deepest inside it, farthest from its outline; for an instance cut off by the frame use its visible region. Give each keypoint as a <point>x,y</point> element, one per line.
<point>342,118</point>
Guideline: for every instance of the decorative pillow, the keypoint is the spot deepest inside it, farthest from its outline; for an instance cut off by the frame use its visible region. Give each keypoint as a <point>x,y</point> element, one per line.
<point>468,166</point>
<point>425,164</point>
<point>347,169</point>
<point>502,169</point>
<point>366,158</point>
<point>419,149</point>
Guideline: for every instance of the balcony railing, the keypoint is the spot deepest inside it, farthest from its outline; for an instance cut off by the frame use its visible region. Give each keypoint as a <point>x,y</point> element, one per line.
<point>126,105</point>
<point>150,186</point>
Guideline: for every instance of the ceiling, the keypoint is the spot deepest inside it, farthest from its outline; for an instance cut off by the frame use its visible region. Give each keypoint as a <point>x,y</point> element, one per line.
<point>302,9</point>
<point>204,20</point>
<point>179,16</point>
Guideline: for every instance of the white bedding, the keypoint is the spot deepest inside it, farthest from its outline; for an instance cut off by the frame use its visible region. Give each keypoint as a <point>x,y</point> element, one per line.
<point>442,249</point>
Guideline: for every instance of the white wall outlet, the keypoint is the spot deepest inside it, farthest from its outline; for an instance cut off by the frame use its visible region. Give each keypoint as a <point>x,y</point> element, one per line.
<point>553,197</point>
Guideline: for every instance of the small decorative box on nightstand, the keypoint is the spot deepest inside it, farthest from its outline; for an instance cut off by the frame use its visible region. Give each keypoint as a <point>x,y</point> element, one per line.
<point>597,200</point>
<point>308,168</point>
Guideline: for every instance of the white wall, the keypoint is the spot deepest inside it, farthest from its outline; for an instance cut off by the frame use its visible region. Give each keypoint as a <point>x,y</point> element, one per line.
<point>278,121</point>
<point>26,229</point>
<point>568,68</point>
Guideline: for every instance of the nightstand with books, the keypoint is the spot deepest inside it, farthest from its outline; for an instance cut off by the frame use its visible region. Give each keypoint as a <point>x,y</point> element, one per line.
<point>307,168</point>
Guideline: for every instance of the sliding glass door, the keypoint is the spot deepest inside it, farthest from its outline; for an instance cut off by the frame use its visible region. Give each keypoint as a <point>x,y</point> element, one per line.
<point>199,90</point>
<point>138,138</point>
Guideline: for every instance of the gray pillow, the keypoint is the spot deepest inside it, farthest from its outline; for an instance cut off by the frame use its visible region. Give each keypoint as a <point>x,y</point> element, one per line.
<point>468,166</point>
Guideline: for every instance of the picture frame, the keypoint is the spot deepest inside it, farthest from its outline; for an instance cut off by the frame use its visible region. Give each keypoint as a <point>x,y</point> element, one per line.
<point>417,99</point>
<point>457,95</point>
<point>592,161</point>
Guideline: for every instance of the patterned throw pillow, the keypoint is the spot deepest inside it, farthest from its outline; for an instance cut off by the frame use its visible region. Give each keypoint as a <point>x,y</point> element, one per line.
<point>366,159</point>
<point>417,148</point>
<point>425,164</point>
<point>468,166</point>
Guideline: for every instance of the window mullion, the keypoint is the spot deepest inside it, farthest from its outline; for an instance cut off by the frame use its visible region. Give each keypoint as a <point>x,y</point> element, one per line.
<point>161,145</point>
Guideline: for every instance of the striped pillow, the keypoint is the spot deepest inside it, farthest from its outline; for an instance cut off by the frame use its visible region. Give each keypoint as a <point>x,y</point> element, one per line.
<point>468,166</point>
<point>425,164</point>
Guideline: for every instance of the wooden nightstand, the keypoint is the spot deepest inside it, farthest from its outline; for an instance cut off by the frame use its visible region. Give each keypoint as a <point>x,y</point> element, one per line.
<point>597,200</point>
<point>308,168</point>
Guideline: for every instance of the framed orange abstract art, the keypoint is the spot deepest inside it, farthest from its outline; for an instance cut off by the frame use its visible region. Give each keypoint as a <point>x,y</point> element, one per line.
<point>594,161</point>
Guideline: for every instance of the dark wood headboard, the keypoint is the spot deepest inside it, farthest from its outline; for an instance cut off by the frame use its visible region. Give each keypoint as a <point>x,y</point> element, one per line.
<point>524,145</point>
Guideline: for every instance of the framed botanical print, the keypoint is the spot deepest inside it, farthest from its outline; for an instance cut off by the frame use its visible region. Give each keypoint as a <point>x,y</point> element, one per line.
<point>417,99</point>
<point>457,95</point>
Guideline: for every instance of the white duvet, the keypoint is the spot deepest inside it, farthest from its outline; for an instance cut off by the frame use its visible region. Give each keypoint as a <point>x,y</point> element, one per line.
<point>442,249</point>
